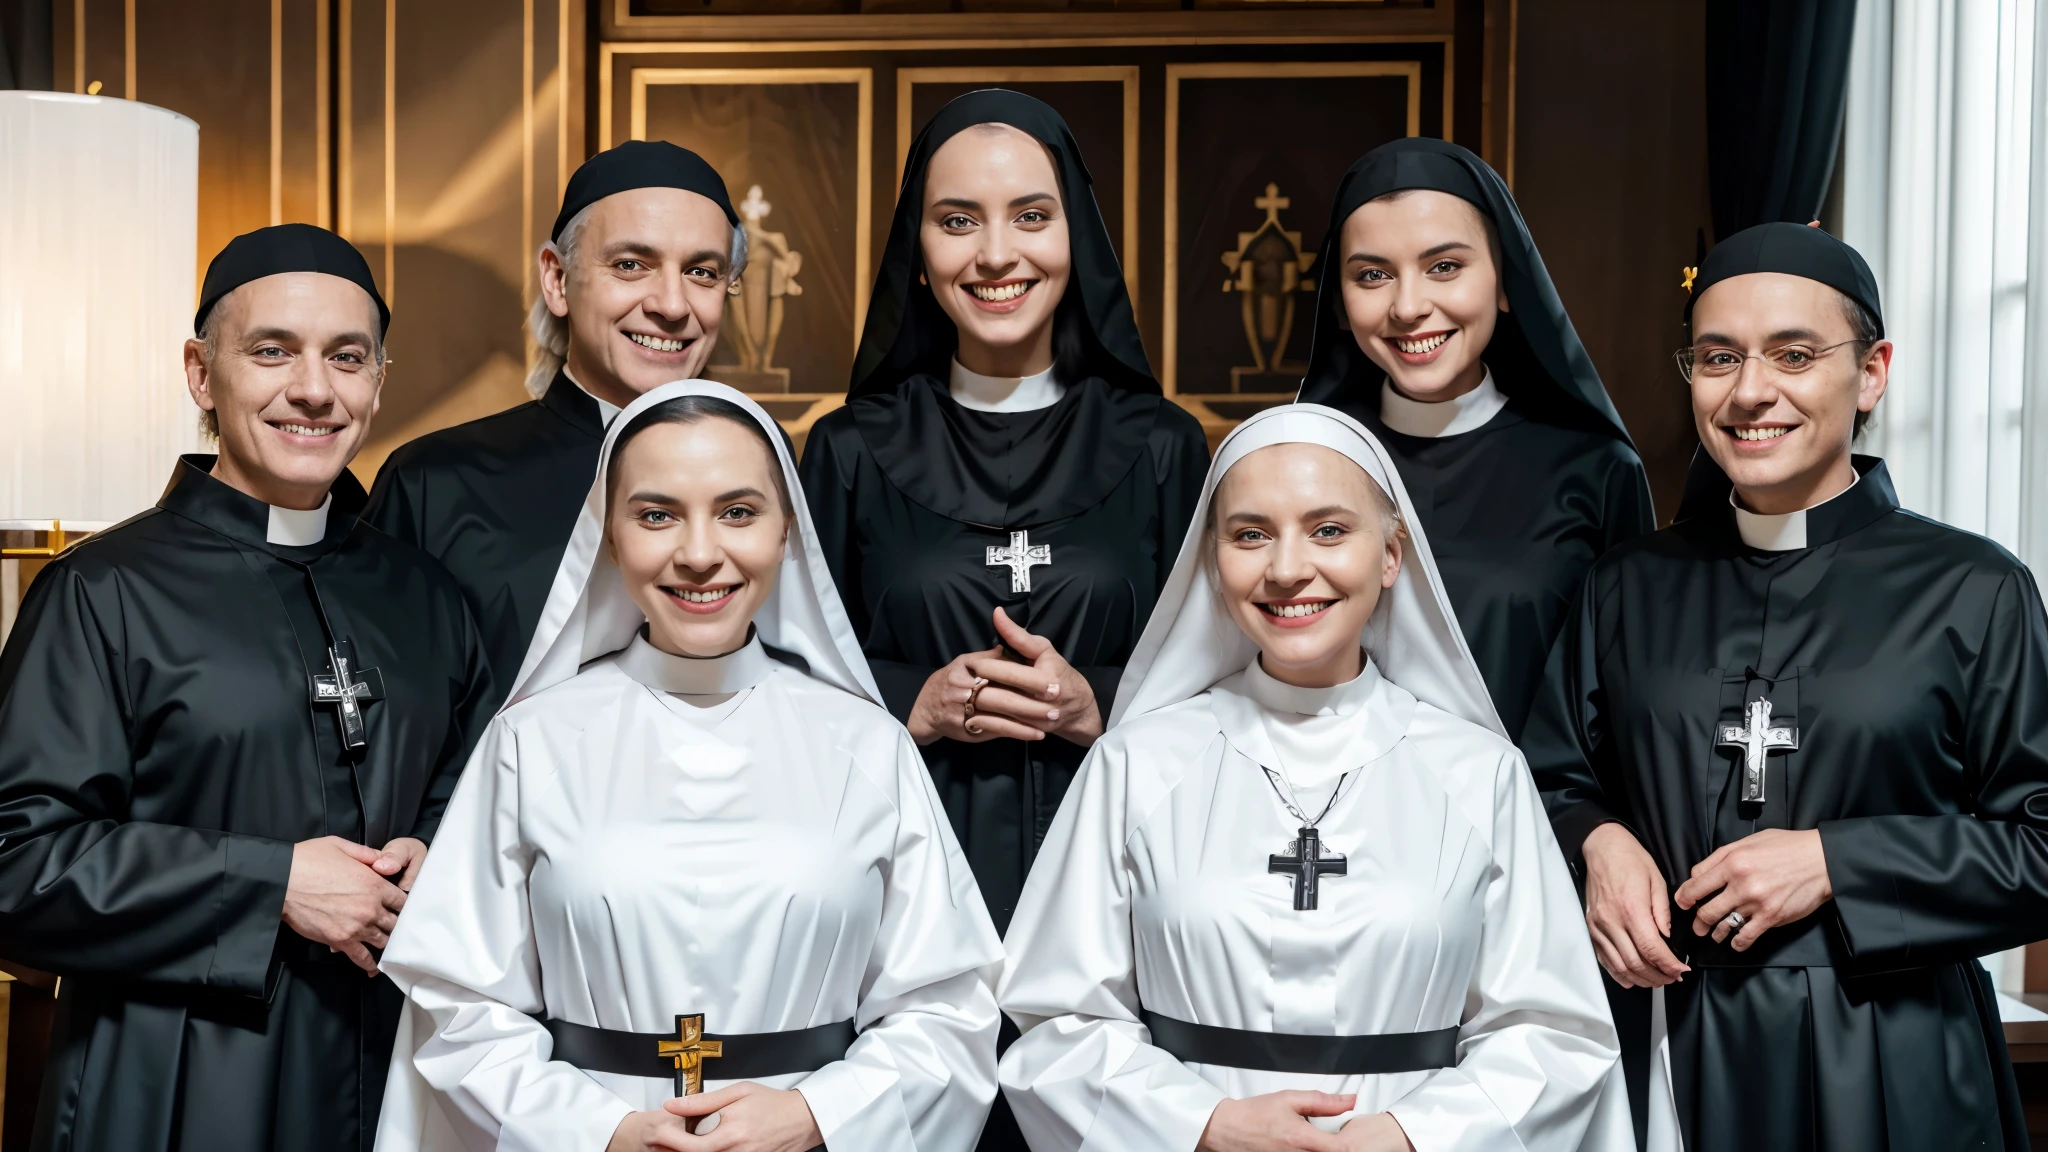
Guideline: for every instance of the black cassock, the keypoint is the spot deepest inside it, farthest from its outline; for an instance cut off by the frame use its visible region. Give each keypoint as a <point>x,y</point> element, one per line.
<point>161,752</point>
<point>1910,661</point>
<point>494,501</point>
<point>1516,510</point>
<point>909,490</point>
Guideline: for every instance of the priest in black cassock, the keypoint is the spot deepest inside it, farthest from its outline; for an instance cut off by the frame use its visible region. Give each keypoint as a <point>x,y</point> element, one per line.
<point>1823,720</point>
<point>633,283</point>
<point>1437,327</point>
<point>1005,490</point>
<point>228,727</point>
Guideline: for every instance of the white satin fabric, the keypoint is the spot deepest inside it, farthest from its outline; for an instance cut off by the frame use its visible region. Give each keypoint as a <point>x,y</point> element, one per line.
<point>653,836</point>
<point>1152,890</point>
<point>970,389</point>
<point>1432,419</point>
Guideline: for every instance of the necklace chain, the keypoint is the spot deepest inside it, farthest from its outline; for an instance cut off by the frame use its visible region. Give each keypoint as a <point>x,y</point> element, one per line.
<point>1287,799</point>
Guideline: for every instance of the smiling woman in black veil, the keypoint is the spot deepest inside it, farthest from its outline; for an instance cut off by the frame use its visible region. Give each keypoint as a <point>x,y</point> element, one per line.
<point>1003,493</point>
<point>1437,326</point>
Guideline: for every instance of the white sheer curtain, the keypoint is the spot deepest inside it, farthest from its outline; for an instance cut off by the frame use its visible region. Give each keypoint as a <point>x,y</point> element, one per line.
<point>1945,192</point>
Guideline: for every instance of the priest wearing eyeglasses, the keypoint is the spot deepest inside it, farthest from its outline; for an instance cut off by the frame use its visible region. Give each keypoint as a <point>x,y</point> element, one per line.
<point>1798,744</point>
<point>228,727</point>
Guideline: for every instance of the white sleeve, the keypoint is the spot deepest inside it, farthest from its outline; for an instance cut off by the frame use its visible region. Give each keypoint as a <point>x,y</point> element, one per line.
<point>1085,1075</point>
<point>921,1076</point>
<point>464,954</point>
<point>1538,1060</point>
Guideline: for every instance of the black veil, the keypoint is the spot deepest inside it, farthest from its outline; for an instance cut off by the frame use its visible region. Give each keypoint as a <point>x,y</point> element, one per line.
<point>1535,355</point>
<point>906,331</point>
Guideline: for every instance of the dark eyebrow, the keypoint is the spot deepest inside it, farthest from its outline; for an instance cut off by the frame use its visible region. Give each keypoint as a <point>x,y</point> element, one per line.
<point>956,202</point>
<point>362,338</point>
<point>257,335</point>
<point>740,494</point>
<point>1252,517</point>
<point>1781,335</point>
<point>653,498</point>
<point>1032,198</point>
<point>1446,246</point>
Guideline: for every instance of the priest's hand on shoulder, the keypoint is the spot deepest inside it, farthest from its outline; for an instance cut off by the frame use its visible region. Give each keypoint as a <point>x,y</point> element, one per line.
<point>335,897</point>
<point>1010,701</point>
<point>1278,1122</point>
<point>749,1117</point>
<point>1628,911</point>
<point>1773,877</point>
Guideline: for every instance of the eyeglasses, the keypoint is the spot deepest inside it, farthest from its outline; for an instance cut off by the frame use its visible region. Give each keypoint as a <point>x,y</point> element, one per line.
<point>1789,360</point>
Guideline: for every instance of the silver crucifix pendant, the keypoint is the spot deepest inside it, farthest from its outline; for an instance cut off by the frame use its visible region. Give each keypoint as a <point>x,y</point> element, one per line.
<point>1755,737</point>
<point>346,688</point>
<point>1020,557</point>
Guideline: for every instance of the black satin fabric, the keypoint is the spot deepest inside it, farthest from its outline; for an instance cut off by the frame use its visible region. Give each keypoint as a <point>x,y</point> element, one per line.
<point>919,593</point>
<point>1516,512</point>
<point>1913,659</point>
<point>159,757</point>
<point>494,500</point>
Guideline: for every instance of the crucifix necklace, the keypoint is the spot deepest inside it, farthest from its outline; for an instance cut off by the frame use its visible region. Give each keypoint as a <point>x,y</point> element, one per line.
<point>1020,557</point>
<point>1755,737</point>
<point>1304,859</point>
<point>345,688</point>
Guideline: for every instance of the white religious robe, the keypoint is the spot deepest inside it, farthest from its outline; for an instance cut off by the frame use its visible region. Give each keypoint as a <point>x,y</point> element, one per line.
<point>764,848</point>
<point>1456,910</point>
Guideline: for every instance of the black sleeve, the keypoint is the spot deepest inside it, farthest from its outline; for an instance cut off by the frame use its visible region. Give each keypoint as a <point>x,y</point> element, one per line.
<point>83,889</point>
<point>1629,511</point>
<point>473,703</point>
<point>394,504</point>
<point>1565,740</point>
<point>1917,890</point>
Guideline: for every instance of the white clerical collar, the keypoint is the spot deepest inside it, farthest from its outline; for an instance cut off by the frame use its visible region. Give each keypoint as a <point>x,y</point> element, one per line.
<point>1444,417</point>
<point>736,671</point>
<point>1785,532</point>
<point>605,408</point>
<point>1004,393</point>
<point>1312,735</point>
<point>295,529</point>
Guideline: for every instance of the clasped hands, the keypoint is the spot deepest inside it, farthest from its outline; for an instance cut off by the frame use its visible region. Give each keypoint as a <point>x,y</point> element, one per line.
<point>348,896</point>
<point>1773,877</point>
<point>746,1117</point>
<point>1278,1122</point>
<point>1013,701</point>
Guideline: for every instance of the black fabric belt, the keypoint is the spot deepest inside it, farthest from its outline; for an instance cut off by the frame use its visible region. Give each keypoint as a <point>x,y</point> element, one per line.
<point>744,1057</point>
<point>1318,1055</point>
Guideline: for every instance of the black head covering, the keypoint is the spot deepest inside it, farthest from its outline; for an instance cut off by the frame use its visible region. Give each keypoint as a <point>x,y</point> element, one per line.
<point>641,164</point>
<point>1795,250</point>
<point>1535,354</point>
<point>907,332</point>
<point>285,248</point>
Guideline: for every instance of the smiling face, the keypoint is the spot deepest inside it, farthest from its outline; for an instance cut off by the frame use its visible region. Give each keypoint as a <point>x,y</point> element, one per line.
<point>644,291</point>
<point>1783,435</point>
<point>995,247</point>
<point>291,375</point>
<point>1305,543</point>
<point>1422,290</point>
<point>696,526</point>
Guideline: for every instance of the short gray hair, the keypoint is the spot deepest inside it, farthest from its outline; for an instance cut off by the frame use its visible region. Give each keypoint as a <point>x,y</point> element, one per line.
<point>551,332</point>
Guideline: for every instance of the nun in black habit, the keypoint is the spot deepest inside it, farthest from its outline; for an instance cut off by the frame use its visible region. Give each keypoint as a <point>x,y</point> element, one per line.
<point>1022,477</point>
<point>1516,459</point>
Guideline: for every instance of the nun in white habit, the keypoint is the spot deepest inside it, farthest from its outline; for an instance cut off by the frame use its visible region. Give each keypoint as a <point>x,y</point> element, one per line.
<point>693,852</point>
<point>1303,895</point>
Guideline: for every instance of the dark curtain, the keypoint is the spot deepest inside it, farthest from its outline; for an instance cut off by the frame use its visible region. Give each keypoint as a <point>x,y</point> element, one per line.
<point>25,47</point>
<point>1777,80</point>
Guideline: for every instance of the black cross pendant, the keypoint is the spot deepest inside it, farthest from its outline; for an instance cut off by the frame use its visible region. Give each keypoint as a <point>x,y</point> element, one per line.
<point>346,688</point>
<point>1306,863</point>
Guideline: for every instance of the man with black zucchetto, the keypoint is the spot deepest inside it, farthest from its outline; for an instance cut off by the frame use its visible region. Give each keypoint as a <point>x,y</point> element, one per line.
<point>633,285</point>
<point>1797,743</point>
<point>228,728</point>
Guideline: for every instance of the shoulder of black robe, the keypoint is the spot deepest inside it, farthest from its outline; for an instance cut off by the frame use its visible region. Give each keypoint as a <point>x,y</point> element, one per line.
<point>1535,354</point>
<point>938,453</point>
<point>494,500</point>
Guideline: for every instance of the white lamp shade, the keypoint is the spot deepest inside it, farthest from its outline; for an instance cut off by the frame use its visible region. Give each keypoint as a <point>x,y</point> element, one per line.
<point>99,202</point>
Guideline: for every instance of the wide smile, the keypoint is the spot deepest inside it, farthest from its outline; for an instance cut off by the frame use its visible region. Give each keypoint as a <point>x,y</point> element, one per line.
<point>1000,295</point>
<point>660,344</point>
<point>1297,613</point>
<point>702,601</point>
<point>1757,437</point>
<point>1420,347</point>
<point>303,434</point>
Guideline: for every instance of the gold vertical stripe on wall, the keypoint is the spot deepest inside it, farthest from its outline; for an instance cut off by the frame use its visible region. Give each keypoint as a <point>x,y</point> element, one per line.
<point>276,111</point>
<point>323,127</point>
<point>390,150</point>
<point>562,102</point>
<point>526,154</point>
<point>344,210</point>
<point>128,49</point>
<point>78,46</point>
